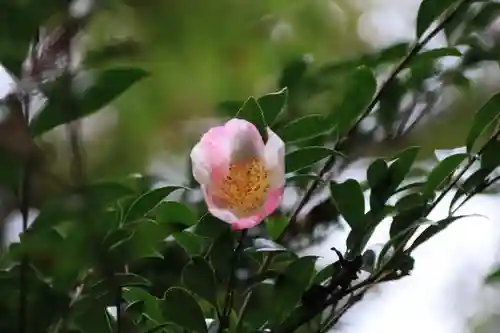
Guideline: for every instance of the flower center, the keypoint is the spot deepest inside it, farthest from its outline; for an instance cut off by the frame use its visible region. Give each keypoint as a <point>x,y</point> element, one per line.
<point>244,190</point>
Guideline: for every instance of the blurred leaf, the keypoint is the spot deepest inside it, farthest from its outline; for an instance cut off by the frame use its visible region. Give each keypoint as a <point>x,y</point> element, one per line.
<point>151,304</point>
<point>441,173</point>
<point>410,208</point>
<point>220,255</point>
<point>441,154</point>
<point>95,319</point>
<point>304,157</point>
<point>359,93</point>
<point>304,128</point>
<point>429,11</point>
<point>400,168</point>
<point>109,85</point>
<point>434,229</point>
<point>116,50</point>
<point>175,213</point>
<point>349,200</point>
<point>252,112</point>
<point>326,273</point>
<point>146,202</point>
<point>434,54</point>
<point>193,244</point>
<point>293,73</point>
<point>265,245</point>
<point>378,179</point>
<point>474,183</point>
<point>494,277</point>
<point>275,226</point>
<point>211,227</point>
<point>199,277</point>
<point>180,308</point>
<point>483,118</point>
<point>290,286</point>
<point>273,105</point>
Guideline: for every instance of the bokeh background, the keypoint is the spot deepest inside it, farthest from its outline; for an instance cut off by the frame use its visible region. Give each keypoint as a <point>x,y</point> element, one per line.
<point>204,55</point>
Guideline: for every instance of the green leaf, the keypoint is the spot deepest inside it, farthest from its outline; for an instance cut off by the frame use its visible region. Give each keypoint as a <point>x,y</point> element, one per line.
<point>146,202</point>
<point>434,229</point>
<point>473,184</point>
<point>400,168</point>
<point>211,227</point>
<point>483,118</point>
<point>326,273</point>
<point>273,105</point>
<point>199,277</point>
<point>359,93</point>
<point>494,277</point>
<point>251,111</point>
<point>151,309</point>
<point>304,128</point>
<point>290,286</point>
<point>304,157</point>
<point>429,11</point>
<point>180,308</point>
<point>173,212</point>
<point>220,255</point>
<point>108,85</point>
<point>349,200</point>
<point>441,173</point>
<point>434,54</point>
<point>193,244</point>
<point>378,178</point>
<point>275,226</point>
<point>265,245</point>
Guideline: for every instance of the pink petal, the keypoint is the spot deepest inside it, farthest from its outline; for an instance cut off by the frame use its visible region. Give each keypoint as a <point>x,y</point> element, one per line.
<point>217,211</point>
<point>274,155</point>
<point>210,156</point>
<point>272,203</point>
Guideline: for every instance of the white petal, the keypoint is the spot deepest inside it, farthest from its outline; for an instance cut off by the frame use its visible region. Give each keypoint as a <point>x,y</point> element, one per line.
<point>245,140</point>
<point>200,165</point>
<point>274,155</point>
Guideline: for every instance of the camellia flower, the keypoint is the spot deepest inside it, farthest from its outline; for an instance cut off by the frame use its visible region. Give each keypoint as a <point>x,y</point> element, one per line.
<point>242,178</point>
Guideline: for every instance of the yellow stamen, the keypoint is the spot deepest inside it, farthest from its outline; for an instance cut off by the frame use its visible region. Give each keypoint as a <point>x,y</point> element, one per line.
<point>244,190</point>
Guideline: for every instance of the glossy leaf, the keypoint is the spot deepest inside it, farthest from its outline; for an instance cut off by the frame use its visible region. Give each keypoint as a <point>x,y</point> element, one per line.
<point>302,158</point>
<point>199,277</point>
<point>434,229</point>
<point>180,308</point>
<point>273,105</point>
<point>349,200</point>
<point>483,119</point>
<point>252,112</point>
<point>275,226</point>
<point>429,11</point>
<point>359,93</point>
<point>146,202</point>
<point>441,173</point>
<point>304,128</point>
<point>175,213</point>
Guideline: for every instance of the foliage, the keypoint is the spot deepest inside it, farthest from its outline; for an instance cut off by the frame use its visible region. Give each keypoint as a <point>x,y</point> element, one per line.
<point>166,265</point>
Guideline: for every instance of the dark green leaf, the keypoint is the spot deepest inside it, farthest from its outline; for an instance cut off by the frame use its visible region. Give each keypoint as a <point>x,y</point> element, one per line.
<point>193,244</point>
<point>273,104</point>
<point>275,226</point>
<point>434,229</point>
<point>429,11</point>
<point>151,309</point>
<point>301,158</point>
<point>474,183</point>
<point>109,84</point>
<point>251,111</point>
<point>146,202</point>
<point>483,119</point>
<point>290,286</point>
<point>211,227</point>
<point>175,213</point>
<point>199,277</point>
<point>180,308</point>
<point>441,173</point>
<point>349,200</point>
<point>326,273</point>
<point>304,128</point>
<point>220,255</point>
<point>494,277</point>
<point>359,93</point>
<point>434,54</point>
